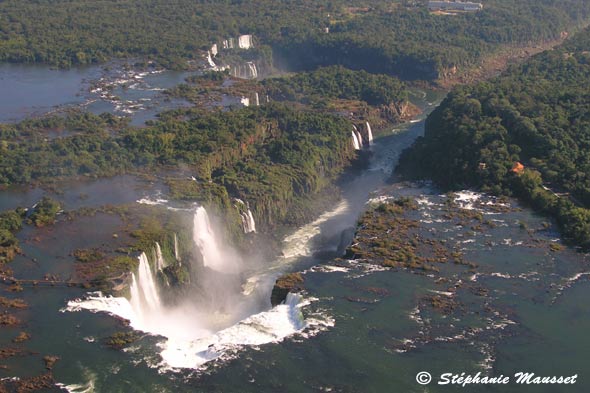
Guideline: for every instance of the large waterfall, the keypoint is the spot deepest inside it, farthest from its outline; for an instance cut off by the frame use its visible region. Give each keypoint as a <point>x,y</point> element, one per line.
<point>207,243</point>
<point>214,315</point>
<point>145,299</point>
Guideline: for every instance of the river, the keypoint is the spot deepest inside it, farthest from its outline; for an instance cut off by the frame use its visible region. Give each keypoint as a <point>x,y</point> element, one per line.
<point>522,308</point>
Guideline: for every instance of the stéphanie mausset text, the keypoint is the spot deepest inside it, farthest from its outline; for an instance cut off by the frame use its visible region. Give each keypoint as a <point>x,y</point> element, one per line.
<point>522,378</point>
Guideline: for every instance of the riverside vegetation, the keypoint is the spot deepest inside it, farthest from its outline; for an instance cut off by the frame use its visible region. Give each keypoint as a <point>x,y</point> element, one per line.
<point>536,113</point>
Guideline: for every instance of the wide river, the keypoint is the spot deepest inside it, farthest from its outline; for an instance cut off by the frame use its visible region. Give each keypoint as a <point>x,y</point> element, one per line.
<point>361,328</point>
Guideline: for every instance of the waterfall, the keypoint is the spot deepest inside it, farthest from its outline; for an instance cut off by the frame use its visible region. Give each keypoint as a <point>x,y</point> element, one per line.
<point>248,222</point>
<point>369,134</point>
<point>211,62</point>
<point>252,223</point>
<point>252,69</point>
<point>208,244</point>
<point>360,138</point>
<point>355,141</point>
<point>245,71</point>
<point>214,50</point>
<point>215,315</point>
<point>145,298</point>
<point>245,41</point>
<point>160,262</point>
<point>176,253</point>
<point>256,99</point>
<point>245,101</point>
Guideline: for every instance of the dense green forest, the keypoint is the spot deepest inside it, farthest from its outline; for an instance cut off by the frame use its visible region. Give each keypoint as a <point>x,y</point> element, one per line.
<point>538,114</point>
<point>336,82</point>
<point>269,155</point>
<point>392,37</point>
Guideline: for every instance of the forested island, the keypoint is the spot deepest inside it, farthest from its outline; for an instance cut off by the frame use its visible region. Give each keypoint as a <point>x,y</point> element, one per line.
<point>524,133</point>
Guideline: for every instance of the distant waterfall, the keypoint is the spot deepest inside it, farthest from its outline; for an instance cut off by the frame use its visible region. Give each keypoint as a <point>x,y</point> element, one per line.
<point>248,222</point>
<point>245,101</point>
<point>369,134</point>
<point>245,41</point>
<point>160,262</point>
<point>145,298</point>
<point>256,99</point>
<point>245,71</point>
<point>176,253</point>
<point>210,61</point>
<point>355,141</point>
<point>208,244</point>
<point>360,138</point>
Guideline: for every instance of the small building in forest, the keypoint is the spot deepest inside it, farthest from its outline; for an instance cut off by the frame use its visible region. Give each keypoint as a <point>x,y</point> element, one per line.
<point>517,168</point>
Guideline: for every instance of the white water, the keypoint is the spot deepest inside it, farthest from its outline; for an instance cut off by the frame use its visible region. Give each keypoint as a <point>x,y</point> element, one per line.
<point>245,41</point>
<point>360,138</point>
<point>214,256</point>
<point>355,141</point>
<point>145,299</point>
<point>203,327</point>
<point>160,262</point>
<point>248,222</point>
<point>176,252</point>
<point>256,99</point>
<point>369,134</point>
<point>245,71</point>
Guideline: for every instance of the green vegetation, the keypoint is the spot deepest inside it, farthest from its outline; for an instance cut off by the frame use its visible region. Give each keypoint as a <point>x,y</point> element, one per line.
<point>391,37</point>
<point>536,114</point>
<point>269,155</point>
<point>336,82</point>
<point>44,212</point>
<point>404,244</point>
<point>10,222</point>
<point>119,340</point>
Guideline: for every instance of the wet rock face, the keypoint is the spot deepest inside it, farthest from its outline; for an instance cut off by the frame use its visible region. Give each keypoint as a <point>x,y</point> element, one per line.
<point>290,282</point>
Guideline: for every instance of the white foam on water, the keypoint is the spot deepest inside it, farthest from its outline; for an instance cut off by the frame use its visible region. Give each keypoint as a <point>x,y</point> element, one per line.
<point>298,243</point>
<point>196,331</point>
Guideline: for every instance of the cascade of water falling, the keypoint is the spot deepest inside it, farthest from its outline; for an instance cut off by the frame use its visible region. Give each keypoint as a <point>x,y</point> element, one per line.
<point>369,134</point>
<point>245,41</point>
<point>256,99</point>
<point>253,72</point>
<point>176,252</point>
<point>355,141</point>
<point>145,298</point>
<point>360,138</point>
<point>214,50</point>
<point>251,222</point>
<point>248,222</point>
<point>160,261</point>
<point>210,61</point>
<point>208,244</point>
<point>245,101</point>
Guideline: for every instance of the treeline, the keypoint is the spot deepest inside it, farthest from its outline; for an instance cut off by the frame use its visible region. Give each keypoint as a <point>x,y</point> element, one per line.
<point>389,37</point>
<point>536,114</point>
<point>269,155</point>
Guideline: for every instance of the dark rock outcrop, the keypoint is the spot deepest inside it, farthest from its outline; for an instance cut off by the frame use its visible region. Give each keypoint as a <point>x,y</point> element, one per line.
<point>290,282</point>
